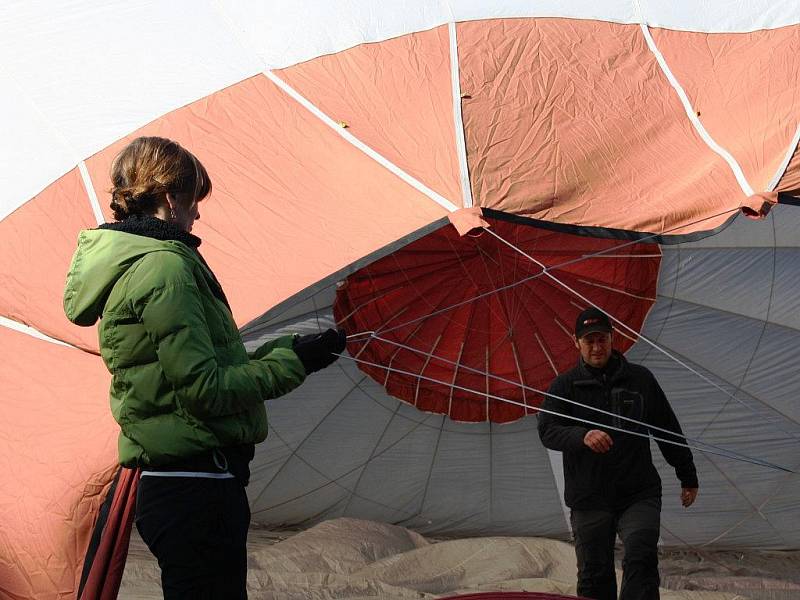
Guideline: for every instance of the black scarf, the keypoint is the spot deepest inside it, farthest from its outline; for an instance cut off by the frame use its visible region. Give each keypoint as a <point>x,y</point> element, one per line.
<point>155,228</point>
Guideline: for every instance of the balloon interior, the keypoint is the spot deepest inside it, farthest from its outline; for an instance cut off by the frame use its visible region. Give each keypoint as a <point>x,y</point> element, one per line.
<point>604,152</point>
<point>475,328</point>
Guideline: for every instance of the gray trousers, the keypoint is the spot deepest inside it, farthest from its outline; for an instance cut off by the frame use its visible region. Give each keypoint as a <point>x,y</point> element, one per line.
<point>595,532</point>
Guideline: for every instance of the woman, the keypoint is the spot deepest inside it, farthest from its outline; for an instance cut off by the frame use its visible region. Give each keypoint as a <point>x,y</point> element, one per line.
<point>188,398</point>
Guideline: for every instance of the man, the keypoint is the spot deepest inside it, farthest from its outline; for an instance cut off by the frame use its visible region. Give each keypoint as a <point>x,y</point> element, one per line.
<point>611,484</point>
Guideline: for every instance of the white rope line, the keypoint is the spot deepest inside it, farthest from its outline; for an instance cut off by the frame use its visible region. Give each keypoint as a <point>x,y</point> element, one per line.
<point>353,140</point>
<point>627,255</point>
<point>725,453</point>
<point>615,290</point>
<point>461,145</point>
<point>516,364</point>
<point>757,510</point>
<point>457,304</point>
<point>335,480</point>
<point>643,239</point>
<point>455,375</point>
<point>428,358</point>
<point>90,191</point>
<point>537,275</point>
<point>640,336</point>
<point>690,112</point>
<point>636,334</point>
<point>776,179</point>
<point>546,353</point>
<point>526,387</point>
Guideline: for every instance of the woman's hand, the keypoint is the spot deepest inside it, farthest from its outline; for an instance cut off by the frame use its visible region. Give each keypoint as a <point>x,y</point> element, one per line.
<point>319,350</point>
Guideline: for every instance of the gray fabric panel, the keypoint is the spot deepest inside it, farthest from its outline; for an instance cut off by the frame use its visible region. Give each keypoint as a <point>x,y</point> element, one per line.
<point>525,496</point>
<point>784,306</point>
<point>321,455</point>
<point>341,446</point>
<point>728,307</point>
<point>715,278</point>
<point>720,342</point>
<point>785,221</point>
<point>397,472</point>
<point>773,372</point>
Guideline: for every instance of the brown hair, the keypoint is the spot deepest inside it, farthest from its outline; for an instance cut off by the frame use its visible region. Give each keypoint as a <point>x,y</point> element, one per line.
<point>147,169</point>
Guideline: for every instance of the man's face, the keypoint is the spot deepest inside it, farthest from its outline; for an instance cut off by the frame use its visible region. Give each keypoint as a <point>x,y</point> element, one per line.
<point>595,348</point>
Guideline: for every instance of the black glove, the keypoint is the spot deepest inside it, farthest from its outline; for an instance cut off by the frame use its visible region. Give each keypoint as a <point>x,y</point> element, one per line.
<point>316,351</point>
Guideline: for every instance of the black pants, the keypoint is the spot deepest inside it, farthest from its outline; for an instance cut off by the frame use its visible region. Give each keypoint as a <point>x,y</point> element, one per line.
<point>197,529</point>
<point>595,531</point>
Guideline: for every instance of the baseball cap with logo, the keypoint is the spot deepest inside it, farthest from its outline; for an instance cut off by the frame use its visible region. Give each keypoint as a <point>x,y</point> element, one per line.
<point>591,320</point>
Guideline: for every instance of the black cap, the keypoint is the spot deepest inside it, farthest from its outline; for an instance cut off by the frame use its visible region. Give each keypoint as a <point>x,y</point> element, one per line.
<point>592,320</point>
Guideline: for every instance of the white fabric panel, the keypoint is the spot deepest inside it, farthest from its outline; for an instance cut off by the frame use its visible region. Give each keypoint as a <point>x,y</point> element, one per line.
<point>524,487</point>
<point>618,11</point>
<point>33,154</point>
<point>98,71</point>
<point>720,15</point>
<point>304,29</point>
<point>719,341</point>
<point>746,233</point>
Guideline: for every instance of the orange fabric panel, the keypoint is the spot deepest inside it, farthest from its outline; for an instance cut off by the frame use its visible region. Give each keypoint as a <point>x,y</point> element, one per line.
<point>292,201</point>
<point>57,458</point>
<point>38,240</point>
<point>744,88</point>
<point>395,96</point>
<point>790,182</point>
<point>573,122</point>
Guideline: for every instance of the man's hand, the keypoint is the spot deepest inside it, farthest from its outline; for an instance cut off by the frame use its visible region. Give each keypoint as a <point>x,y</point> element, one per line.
<point>599,441</point>
<point>687,496</point>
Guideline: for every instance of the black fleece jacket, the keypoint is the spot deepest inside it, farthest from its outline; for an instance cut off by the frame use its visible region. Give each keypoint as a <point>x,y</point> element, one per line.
<point>625,474</point>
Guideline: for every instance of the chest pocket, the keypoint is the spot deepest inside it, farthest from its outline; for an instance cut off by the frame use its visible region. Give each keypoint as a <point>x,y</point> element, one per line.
<point>630,404</point>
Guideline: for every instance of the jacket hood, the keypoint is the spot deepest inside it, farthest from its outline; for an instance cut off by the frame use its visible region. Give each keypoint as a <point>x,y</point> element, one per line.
<point>103,256</point>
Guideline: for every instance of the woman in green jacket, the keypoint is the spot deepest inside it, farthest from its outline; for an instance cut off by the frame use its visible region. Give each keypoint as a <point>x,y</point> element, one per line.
<point>188,398</point>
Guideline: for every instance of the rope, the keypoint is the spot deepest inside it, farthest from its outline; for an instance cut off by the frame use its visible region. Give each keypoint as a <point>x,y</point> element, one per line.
<point>754,508</point>
<point>639,335</point>
<point>725,453</point>
<point>549,394</point>
<point>537,275</point>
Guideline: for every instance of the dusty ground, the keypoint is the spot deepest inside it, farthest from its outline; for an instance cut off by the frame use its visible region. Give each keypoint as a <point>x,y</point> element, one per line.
<point>755,575</point>
<point>733,575</point>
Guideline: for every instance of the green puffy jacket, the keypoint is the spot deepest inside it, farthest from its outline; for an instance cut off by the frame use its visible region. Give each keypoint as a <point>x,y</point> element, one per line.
<point>182,381</point>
